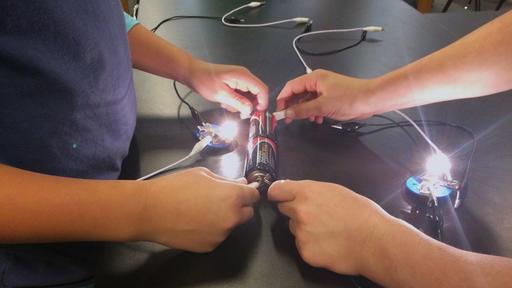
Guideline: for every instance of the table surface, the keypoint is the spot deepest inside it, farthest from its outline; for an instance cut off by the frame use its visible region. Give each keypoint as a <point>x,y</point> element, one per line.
<point>261,253</point>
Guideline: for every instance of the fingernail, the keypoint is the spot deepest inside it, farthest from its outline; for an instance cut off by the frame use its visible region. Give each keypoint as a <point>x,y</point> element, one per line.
<point>290,113</point>
<point>280,115</point>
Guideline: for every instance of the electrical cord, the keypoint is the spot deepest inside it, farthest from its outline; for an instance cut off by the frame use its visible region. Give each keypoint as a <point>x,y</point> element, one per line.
<point>363,29</point>
<point>296,20</point>
<point>180,17</point>
<point>296,39</point>
<point>331,52</point>
<point>193,156</point>
<point>359,126</point>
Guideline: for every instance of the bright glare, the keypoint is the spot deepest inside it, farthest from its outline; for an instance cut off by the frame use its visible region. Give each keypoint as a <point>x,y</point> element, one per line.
<point>228,130</point>
<point>230,165</point>
<point>439,166</point>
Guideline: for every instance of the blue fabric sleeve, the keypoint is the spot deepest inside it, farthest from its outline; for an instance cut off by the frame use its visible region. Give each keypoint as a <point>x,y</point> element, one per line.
<point>129,22</point>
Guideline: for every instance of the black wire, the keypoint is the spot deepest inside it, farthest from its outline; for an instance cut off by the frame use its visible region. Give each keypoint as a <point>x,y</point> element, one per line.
<point>396,123</point>
<point>433,123</point>
<point>196,115</point>
<point>330,52</point>
<point>180,17</point>
<point>181,120</point>
<point>193,111</point>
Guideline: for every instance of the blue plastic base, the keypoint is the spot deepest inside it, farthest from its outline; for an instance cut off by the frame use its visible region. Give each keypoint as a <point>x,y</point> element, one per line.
<point>413,186</point>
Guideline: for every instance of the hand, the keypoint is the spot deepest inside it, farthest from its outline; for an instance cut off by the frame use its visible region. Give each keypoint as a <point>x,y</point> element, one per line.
<point>334,228</point>
<point>194,209</point>
<point>326,94</point>
<point>221,83</point>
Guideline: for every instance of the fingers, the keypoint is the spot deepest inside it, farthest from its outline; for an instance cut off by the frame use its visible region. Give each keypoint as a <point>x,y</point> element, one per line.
<point>292,227</point>
<point>286,208</point>
<point>230,98</point>
<point>310,109</point>
<point>282,191</point>
<point>246,214</point>
<point>229,108</point>
<point>299,85</point>
<point>249,195</point>
<point>242,79</point>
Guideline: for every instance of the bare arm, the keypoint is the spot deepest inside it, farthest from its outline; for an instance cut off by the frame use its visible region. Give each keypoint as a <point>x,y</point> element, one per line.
<point>41,208</point>
<point>404,257</point>
<point>214,82</point>
<point>476,65</point>
<point>169,210</point>
<point>155,55</point>
<point>337,229</point>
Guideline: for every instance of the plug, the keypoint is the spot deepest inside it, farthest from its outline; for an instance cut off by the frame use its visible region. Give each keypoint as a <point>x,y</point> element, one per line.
<point>301,20</point>
<point>373,29</point>
<point>255,4</point>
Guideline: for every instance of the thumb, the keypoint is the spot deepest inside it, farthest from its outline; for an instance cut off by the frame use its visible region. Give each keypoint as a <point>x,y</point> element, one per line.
<point>305,109</point>
<point>282,191</point>
<point>230,98</point>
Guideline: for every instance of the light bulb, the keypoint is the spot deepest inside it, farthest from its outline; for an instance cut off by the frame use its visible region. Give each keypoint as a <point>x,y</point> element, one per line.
<point>228,130</point>
<point>439,166</point>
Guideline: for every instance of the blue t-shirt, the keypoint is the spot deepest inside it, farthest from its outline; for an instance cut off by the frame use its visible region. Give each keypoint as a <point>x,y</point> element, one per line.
<point>67,108</point>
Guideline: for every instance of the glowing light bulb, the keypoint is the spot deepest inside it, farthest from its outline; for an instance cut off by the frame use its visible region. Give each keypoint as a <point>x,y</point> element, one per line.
<point>228,130</point>
<point>439,166</point>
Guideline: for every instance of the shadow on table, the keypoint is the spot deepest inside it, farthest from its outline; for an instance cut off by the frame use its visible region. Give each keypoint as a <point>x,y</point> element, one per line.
<point>172,268</point>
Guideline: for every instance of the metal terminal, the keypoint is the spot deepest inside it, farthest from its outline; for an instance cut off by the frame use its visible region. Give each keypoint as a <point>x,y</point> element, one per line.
<point>208,129</point>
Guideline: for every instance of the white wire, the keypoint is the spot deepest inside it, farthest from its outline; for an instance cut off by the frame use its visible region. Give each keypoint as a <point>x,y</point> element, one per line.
<point>432,144</point>
<point>372,29</point>
<point>295,20</point>
<point>193,156</point>
<point>308,69</point>
<point>169,167</point>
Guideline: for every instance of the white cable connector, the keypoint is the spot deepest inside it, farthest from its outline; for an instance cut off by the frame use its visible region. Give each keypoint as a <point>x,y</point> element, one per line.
<point>297,20</point>
<point>373,29</point>
<point>193,156</point>
<point>308,69</point>
<point>255,4</point>
<point>301,20</point>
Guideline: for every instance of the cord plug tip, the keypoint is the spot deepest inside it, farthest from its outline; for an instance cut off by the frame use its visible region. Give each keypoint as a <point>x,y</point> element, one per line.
<point>373,29</point>
<point>256,4</point>
<point>301,20</point>
<point>308,70</point>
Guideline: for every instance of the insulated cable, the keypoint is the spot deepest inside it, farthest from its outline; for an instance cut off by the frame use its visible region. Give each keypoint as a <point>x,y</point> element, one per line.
<point>296,20</point>
<point>193,156</point>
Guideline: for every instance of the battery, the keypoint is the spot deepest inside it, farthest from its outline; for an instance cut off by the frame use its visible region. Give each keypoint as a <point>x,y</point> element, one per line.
<point>262,158</point>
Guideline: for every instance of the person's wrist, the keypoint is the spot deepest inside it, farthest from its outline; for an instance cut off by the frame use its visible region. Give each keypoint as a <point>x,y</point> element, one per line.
<point>194,69</point>
<point>380,226</point>
<point>369,101</point>
<point>138,219</point>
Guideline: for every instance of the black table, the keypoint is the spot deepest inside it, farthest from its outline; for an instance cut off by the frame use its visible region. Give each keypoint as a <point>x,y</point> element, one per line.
<point>262,252</point>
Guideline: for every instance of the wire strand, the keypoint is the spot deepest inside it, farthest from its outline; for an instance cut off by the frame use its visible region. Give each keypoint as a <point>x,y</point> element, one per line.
<point>223,19</point>
<point>298,37</point>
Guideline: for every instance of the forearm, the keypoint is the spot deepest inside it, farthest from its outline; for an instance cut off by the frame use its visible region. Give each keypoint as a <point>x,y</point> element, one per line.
<point>41,208</point>
<point>155,55</point>
<point>404,257</point>
<point>476,65</point>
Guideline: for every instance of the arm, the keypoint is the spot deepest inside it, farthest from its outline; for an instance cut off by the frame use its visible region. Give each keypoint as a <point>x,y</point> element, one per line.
<point>217,83</point>
<point>339,230</point>
<point>404,257</point>
<point>476,65</point>
<point>42,208</point>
